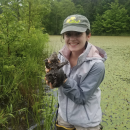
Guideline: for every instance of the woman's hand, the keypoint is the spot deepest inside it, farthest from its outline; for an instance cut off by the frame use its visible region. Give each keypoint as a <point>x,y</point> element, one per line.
<point>49,84</point>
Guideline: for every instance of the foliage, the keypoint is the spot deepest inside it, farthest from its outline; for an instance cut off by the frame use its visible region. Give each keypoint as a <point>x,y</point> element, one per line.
<point>114,21</point>
<point>23,47</point>
<point>97,27</point>
<point>95,10</point>
<point>49,14</point>
<point>49,111</point>
<point>59,11</point>
<point>3,118</point>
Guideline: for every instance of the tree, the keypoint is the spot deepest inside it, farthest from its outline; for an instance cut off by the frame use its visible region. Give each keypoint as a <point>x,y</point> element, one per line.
<point>97,26</point>
<point>114,21</point>
<point>22,51</point>
<point>59,11</point>
<point>79,9</point>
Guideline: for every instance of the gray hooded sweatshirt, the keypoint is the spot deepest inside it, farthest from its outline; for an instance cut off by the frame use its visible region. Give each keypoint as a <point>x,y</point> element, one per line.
<point>79,97</point>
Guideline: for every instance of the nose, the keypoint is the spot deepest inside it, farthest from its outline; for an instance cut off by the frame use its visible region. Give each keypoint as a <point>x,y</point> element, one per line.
<point>73,37</point>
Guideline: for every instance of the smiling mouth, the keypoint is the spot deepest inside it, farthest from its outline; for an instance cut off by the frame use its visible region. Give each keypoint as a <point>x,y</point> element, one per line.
<point>73,44</point>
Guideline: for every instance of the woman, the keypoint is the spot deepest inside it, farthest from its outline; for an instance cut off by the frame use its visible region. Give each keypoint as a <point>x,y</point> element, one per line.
<point>79,95</point>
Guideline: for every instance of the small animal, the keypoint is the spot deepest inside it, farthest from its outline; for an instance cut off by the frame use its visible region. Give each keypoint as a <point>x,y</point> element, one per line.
<point>55,75</point>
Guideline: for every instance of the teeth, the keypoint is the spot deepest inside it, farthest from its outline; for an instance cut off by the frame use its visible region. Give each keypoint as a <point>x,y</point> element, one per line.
<point>73,43</point>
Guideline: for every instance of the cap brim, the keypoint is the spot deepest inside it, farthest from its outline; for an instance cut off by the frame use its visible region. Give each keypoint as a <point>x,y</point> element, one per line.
<point>73,28</point>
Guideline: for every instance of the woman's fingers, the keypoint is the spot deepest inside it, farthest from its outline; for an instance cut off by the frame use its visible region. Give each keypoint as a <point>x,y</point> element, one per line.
<point>49,84</point>
<point>46,81</point>
<point>49,61</point>
<point>47,70</point>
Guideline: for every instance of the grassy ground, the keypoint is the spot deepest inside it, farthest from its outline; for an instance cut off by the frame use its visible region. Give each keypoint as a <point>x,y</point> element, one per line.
<point>115,88</point>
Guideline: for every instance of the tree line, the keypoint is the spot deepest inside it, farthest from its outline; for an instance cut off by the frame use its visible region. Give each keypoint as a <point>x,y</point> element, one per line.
<point>110,17</point>
<point>107,17</point>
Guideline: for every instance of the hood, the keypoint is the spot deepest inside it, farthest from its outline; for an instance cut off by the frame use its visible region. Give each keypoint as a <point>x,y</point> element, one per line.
<point>90,53</point>
<point>96,53</point>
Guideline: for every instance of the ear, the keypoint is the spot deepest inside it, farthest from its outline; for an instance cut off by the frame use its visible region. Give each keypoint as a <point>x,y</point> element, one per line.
<point>88,36</point>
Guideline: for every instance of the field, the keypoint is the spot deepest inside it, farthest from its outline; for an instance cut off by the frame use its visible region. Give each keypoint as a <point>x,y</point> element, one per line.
<point>115,88</point>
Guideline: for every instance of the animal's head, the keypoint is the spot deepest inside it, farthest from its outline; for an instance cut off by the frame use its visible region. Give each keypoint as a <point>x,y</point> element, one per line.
<point>52,61</point>
<point>53,58</point>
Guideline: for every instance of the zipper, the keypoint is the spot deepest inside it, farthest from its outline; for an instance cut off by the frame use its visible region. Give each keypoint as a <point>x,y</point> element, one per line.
<point>66,109</point>
<point>68,76</point>
<point>67,98</point>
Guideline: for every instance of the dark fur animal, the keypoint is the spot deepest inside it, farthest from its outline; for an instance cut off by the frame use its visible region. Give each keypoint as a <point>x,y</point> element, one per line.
<point>55,75</point>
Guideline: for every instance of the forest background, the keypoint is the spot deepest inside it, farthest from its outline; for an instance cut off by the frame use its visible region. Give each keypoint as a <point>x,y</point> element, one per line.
<point>25,26</point>
<point>107,17</point>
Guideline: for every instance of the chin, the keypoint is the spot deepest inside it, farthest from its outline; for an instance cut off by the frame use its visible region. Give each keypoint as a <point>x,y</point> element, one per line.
<point>73,50</point>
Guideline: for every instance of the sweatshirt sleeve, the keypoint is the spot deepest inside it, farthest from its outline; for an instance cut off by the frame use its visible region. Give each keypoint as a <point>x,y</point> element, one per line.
<point>81,94</point>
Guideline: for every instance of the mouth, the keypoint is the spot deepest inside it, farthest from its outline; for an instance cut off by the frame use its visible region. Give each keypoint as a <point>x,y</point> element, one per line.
<point>73,44</point>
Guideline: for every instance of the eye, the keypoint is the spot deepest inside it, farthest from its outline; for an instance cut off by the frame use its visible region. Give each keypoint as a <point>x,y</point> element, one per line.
<point>68,34</point>
<point>78,34</point>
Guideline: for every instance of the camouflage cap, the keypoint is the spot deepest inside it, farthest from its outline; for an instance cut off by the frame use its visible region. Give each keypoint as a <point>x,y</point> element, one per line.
<point>78,23</point>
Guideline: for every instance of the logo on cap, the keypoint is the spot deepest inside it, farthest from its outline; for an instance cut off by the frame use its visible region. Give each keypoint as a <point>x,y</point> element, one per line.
<point>72,20</point>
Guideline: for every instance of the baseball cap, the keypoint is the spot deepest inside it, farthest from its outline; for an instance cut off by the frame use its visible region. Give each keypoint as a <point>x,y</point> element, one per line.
<point>76,22</point>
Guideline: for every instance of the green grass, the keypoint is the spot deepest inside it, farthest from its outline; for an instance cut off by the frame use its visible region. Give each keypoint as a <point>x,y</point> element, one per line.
<point>22,93</point>
<point>115,99</point>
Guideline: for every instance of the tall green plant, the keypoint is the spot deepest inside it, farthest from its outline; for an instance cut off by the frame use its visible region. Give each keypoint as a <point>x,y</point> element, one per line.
<point>59,11</point>
<point>22,51</point>
<point>114,21</point>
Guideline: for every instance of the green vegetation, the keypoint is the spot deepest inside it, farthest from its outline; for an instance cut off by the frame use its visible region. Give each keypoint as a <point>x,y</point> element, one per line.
<point>107,17</point>
<point>114,21</point>
<point>23,47</point>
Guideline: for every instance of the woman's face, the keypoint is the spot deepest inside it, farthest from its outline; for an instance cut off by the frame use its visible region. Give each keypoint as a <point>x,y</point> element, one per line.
<point>76,40</point>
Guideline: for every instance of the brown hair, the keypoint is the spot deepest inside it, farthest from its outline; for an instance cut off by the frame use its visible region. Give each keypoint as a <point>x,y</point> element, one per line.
<point>88,32</point>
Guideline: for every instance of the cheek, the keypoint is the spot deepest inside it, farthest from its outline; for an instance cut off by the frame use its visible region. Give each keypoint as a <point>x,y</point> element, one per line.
<point>66,40</point>
<point>83,39</point>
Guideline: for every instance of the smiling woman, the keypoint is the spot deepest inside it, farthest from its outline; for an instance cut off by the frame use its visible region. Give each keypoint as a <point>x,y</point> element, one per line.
<point>85,72</point>
<point>115,87</point>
